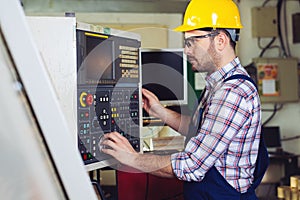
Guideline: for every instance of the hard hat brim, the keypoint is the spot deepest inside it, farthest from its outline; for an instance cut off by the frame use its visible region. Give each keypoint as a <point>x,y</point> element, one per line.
<point>185,28</point>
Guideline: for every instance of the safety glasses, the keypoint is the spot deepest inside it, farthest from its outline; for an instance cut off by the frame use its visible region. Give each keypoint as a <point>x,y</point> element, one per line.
<point>190,40</point>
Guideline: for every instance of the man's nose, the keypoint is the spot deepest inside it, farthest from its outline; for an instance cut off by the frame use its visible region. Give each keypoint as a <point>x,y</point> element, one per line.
<point>186,50</point>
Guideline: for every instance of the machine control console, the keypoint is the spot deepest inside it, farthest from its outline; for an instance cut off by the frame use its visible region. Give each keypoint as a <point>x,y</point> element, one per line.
<point>105,110</point>
<point>108,93</point>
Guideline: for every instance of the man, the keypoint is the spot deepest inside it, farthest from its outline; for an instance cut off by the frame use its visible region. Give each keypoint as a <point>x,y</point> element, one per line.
<point>220,160</point>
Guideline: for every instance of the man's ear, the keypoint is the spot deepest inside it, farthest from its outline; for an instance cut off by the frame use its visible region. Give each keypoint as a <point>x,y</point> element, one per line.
<point>221,41</point>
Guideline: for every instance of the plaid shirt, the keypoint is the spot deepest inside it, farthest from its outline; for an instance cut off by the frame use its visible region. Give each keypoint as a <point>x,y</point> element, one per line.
<point>228,137</point>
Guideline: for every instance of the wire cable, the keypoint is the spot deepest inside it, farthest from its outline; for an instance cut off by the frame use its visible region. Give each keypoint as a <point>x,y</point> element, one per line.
<point>279,6</point>
<point>275,109</point>
<point>291,138</point>
<point>272,110</point>
<point>268,46</point>
<point>265,3</point>
<point>286,29</point>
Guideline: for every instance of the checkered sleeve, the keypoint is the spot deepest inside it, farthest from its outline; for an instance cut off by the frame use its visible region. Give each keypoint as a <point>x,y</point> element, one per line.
<point>226,113</point>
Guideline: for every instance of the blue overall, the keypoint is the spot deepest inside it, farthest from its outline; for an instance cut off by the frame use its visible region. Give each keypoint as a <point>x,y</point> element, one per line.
<point>214,186</point>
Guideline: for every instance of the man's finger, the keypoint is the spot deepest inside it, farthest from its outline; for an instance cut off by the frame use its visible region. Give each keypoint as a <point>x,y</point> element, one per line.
<point>115,136</point>
<point>119,140</point>
<point>109,152</point>
<point>147,93</point>
<point>110,144</point>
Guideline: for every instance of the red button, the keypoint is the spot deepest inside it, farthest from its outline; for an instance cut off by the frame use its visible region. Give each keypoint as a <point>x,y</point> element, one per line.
<point>89,99</point>
<point>85,156</point>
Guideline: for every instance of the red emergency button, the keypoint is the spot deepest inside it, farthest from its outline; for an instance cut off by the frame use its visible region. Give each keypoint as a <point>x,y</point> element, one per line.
<point>89,99</point>
<point>85,156</point>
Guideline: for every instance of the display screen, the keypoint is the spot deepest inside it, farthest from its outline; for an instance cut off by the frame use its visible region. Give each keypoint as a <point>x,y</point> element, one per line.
<point>271,136</point>
<point>96,61</point>
<point>99,59</point>
<point>164,74</point>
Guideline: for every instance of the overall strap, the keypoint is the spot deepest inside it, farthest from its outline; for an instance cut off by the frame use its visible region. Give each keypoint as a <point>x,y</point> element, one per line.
<point>241,76</point>
<point>192,128</point>
<point>262,161</point>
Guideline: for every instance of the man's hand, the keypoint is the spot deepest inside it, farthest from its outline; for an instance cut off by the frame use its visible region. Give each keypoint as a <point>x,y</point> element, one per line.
<point>178,122</point>
<point>119,147</point>
<point>152,105</point>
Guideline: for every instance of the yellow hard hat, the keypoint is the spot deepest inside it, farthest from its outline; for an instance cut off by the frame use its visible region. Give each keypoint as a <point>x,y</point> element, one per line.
<point>210,14</point>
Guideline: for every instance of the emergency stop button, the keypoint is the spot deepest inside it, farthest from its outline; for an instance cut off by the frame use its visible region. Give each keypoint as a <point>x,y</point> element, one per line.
<point>89,99</point>
<point>86,99</point>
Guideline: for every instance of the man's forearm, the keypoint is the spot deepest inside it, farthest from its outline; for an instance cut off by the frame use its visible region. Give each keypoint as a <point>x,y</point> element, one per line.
<point>154,164</point>
<point>178,122</point>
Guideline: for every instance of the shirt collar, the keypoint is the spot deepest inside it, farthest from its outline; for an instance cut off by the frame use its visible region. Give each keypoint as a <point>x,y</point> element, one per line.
<point>221,74</point>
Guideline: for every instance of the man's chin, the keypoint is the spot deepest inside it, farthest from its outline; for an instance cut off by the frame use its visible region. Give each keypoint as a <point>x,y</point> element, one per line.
<point>194,69</point>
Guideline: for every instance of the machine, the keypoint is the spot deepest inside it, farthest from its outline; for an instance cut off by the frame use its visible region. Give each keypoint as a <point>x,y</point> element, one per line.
<point>38,158</point>
<point>96,74</point>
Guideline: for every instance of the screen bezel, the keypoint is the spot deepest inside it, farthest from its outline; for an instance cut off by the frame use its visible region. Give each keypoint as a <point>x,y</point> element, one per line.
<point>88,52</point>
<point>174,102</point>
<point>84,37</point>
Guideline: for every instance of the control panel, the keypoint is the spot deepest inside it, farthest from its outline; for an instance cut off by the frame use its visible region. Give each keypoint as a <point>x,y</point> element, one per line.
<point>108,93</point>
<point>106,110</point>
